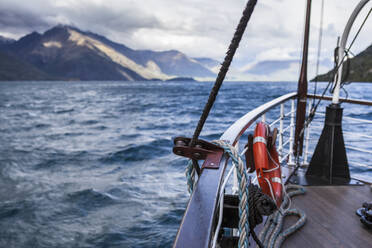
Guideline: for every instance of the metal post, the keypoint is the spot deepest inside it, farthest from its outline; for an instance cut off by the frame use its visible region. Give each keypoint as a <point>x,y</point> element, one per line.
<point>263,118</point>
<point>302,87</point>
<point>307,139</point>
<point>235,187</point>
<point>291,137</point>
<point>281,132</point>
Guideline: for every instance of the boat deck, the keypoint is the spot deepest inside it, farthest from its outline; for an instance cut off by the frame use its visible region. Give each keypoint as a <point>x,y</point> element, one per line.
<point>331,219</point>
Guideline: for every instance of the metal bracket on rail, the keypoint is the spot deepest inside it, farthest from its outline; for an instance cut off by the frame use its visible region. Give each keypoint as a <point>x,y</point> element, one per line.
<point>203,150</point>
<point>249,159</point>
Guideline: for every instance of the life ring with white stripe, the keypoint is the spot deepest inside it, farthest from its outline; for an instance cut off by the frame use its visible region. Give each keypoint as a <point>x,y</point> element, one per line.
<point>267,164</point>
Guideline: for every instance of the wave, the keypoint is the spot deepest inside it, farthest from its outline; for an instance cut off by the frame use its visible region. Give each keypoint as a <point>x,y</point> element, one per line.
<point>89,199</point>
<point>60,158</point>
<point>16,209</point>
<point>90,122</point>
<point>64,111</point>
<point>132,152</point>
<point>9,210</point>
<point>367,116</point>
<point>42,125</point>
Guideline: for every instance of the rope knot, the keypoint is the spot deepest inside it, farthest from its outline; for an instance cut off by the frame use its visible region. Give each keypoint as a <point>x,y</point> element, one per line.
<point>260,205</point>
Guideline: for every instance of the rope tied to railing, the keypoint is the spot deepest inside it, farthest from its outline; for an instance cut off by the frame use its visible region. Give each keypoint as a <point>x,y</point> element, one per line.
<point>244,228</point>
<point>190,176</point>
<point>253,203</point>
<point>260,205</point>
<point>243,192</point>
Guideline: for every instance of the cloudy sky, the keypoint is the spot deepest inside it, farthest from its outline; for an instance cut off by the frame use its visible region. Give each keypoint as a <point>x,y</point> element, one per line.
<point>199,28</point>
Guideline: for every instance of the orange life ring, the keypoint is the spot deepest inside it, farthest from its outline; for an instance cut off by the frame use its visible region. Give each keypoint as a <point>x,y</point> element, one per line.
<point>267,164</point>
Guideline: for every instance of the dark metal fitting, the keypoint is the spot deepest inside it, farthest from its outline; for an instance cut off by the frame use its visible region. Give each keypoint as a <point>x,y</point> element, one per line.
<point>203,150</point>
<point>180,143</point>
<point>197,155</point>
<point>249,158</point>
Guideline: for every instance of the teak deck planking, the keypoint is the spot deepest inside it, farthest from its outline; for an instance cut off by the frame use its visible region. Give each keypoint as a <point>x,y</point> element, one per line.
<point>331,219</point>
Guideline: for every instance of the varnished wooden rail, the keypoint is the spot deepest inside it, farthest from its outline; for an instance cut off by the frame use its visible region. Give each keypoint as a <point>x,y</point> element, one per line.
<point>199,219</point>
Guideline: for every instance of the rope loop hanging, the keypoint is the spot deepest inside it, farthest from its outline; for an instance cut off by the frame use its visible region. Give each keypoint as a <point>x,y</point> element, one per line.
<point>272,235</point>
<point>232,152</point>
<point>244,228</point>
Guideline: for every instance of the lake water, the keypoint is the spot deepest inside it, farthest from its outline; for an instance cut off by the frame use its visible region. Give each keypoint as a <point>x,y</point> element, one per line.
<point>89,164</point>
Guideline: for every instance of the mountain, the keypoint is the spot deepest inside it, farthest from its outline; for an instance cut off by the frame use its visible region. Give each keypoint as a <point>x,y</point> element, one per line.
<point>270,66</point>
<point>71,54</point>
<point>360,68</point>
<point>170,62</point>
<point>5,40</point>
<point>209,63</point>
<point>66,53</point>
<point>14,69</point>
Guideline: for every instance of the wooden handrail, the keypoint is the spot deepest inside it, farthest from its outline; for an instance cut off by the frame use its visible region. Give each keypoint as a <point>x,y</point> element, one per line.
<point>233,133</point>
<point>199,218</point>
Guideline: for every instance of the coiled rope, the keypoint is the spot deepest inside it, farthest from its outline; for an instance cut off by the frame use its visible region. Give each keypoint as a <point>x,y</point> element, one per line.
<point>272,235</point>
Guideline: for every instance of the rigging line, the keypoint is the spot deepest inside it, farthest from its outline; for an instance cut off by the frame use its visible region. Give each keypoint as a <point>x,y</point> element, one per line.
<point>360,28</point>
<point>345,55</point>
<point>347,51</point>
<point>346,93</point>
<point>337,66</point>
<point>314,106</point>
<point>222,73</point>
<point>356,64</point>
<point>343,58</point>
<point>319,49</point>
<point>330,82</point>
<point>350,52</point>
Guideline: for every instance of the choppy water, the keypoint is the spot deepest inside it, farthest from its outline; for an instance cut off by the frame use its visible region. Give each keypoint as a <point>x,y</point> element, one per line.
<point>89,164</point>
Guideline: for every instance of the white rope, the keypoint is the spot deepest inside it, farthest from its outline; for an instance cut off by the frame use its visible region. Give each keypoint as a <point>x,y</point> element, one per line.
<point>243,192</point>
<point>221,201</point>
<point>281,210</point>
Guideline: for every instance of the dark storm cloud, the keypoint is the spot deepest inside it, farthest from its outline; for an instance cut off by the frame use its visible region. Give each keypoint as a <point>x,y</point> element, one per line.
<point>39,15</point>
<point>10,18</point>
<point>18,20</point>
